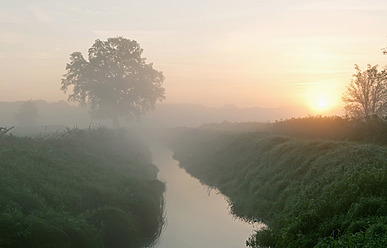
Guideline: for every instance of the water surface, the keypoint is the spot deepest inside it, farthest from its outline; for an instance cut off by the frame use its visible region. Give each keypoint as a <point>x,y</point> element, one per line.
<point>196,217</point>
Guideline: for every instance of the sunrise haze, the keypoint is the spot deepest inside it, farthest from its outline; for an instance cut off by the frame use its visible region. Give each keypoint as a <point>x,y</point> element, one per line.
<point>215,53</point>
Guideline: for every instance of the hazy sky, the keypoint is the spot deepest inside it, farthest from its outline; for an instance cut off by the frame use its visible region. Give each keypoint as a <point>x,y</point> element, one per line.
<point>214,52</point>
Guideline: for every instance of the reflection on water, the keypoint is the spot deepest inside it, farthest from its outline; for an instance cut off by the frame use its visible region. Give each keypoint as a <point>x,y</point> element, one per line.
<point>195,216</point>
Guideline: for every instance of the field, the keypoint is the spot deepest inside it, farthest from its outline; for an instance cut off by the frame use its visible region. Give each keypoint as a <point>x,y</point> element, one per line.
<point>309,192</point>
<point>78,188</point>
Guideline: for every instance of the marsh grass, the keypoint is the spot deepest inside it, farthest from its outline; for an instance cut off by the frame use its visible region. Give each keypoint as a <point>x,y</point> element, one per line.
<point>78,188</point>
<point>310,193</point>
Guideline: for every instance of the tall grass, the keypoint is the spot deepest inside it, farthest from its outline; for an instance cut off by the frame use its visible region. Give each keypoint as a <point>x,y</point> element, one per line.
<point>310,193</point>
<point>371,130</point>
<point>78,188</point>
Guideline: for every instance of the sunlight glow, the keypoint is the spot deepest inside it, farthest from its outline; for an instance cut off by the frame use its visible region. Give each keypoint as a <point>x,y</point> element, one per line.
<point>320,98</point>
<point>322,102</point>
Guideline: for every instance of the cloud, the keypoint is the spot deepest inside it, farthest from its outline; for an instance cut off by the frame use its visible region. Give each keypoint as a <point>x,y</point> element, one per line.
<point>309,83</point>
<point>142,36</point>
<point>86,11</point>
<point>11,38</point>
<point>378,5</point>
<point>142,33</point>
<point>78,9</point>
<point>42,55</point>
<point>41,15</point>
<point>7,18</point>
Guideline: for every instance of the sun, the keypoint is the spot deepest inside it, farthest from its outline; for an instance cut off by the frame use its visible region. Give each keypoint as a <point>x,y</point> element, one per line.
<point>321,100</point>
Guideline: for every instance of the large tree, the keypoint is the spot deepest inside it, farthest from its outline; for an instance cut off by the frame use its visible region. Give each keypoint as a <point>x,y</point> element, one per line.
<point>116,80</point>
<point>366,95</point>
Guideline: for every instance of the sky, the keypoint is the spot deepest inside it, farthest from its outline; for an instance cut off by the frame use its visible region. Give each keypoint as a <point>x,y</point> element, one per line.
<point>213,52</point>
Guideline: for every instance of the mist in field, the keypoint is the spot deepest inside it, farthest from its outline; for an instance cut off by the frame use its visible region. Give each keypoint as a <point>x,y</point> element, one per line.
<point>164,116</point>
<point>171,124</point>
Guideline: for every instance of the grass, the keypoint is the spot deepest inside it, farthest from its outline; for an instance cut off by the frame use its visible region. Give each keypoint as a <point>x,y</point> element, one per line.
<point>310,193</point>
<point>78,188</point>
<point>371,130</point>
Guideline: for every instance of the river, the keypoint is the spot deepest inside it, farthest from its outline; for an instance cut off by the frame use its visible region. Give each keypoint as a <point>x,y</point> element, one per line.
<point>196,217</point>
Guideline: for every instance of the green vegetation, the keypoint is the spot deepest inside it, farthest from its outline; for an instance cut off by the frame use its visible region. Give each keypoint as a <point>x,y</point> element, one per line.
<point>79,188</point>
<point>370,130</point>
<point>115,82</point>
<point>310,193</point>
<point>366,95</point>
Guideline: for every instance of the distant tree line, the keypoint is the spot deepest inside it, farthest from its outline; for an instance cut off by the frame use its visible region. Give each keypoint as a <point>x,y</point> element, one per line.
<point>27,114</point>
<point>374,130</point>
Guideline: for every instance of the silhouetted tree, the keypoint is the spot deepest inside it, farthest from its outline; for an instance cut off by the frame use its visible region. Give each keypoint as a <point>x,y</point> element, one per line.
<point>116,81</point>
<point>366,95</point>
<point>27,114</point>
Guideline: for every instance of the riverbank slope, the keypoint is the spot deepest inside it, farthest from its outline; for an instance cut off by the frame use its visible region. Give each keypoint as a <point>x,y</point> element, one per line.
<point>78,188</point>
<point>310,193</point>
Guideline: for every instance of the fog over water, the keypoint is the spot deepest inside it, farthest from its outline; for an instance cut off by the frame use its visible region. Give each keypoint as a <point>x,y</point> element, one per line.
<point>196,216</point>
<point>305,81</point>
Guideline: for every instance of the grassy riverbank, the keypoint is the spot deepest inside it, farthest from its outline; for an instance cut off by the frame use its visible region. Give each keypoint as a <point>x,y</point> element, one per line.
<point>310,193</point>
<point>79,188</point>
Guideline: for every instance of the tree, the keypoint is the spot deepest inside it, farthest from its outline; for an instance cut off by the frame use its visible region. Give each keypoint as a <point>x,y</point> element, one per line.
<point>116,81</point>
<point>366,95</point>
<point>27,114</point>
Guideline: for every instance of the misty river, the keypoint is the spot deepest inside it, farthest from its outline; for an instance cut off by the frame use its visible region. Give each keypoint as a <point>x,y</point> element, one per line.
<point>196,217</point>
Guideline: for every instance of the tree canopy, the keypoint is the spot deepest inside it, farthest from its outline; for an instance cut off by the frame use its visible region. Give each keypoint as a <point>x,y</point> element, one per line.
<point>366,95</point>
<point>115,81</point>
